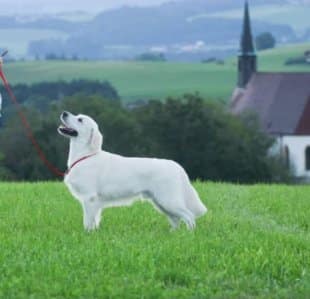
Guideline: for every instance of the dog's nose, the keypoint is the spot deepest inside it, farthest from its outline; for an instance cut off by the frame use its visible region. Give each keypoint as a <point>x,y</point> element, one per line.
<point>65,114</point>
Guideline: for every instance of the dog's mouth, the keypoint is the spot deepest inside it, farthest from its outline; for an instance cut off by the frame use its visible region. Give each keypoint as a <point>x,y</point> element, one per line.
<point>67,131</point>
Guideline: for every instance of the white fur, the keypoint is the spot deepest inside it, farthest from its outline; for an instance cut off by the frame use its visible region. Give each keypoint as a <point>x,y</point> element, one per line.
<point>109,180</point>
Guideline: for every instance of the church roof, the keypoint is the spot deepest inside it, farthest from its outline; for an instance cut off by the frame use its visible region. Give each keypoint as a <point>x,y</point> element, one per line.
<point>281,101</point>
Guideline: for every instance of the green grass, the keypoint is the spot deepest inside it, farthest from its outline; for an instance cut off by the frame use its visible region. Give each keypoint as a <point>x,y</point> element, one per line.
<point>133,80</point>
<point>140,80</point>
<point>275,58</point>
<point>253,243</point>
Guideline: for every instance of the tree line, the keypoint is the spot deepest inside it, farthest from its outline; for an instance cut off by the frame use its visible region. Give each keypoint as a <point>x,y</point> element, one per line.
<point>209,142</point>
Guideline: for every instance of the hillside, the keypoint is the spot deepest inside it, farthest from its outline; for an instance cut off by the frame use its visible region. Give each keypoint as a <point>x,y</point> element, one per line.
<point>253,243</point>
<point>173,27</point>
<point>293,14</point>
<point>140,80</point>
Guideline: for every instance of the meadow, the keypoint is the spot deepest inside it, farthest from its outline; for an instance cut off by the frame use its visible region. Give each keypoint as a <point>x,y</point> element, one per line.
<point>253,243</point>
<point>145,80</point>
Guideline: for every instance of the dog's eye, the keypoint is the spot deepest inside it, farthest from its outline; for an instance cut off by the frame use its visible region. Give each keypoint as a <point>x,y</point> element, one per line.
<point>80,120</point>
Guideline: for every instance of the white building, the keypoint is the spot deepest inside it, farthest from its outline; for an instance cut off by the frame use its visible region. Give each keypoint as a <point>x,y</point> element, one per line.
<point>281,102</point>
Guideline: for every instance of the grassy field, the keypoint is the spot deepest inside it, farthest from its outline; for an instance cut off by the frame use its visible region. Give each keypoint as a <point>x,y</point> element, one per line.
<point>138,80</point>
<point>134,80</point>
<point>253,243</point>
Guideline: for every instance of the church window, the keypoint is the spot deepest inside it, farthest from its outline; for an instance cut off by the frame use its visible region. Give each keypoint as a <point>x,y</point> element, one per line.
<point>308,158</point>
<point>287,157</point>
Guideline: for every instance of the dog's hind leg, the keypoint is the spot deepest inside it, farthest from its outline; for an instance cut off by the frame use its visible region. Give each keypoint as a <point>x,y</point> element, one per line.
<point>174,214</point>
<point>172,218</point>
<point>174,221</point>
<point>188,218</point>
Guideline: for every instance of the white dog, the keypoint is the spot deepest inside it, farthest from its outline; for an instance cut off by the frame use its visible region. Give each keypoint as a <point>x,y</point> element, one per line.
<point>99,179</point>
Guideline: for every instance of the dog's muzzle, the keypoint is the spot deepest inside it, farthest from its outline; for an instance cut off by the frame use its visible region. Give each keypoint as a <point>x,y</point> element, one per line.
<point>64,129</point>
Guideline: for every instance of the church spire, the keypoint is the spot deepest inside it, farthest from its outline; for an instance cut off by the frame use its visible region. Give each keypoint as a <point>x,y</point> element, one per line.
<point>247,56</point>
<point>246,46</point>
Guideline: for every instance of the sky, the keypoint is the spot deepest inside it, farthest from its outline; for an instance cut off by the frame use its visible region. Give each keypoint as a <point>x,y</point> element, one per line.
<point>22,7</point>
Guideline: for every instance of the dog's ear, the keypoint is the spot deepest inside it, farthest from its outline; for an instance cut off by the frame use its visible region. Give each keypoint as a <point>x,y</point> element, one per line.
<point>95,140</point>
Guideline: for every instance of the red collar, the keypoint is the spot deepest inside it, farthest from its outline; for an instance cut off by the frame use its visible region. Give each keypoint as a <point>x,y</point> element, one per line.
<point>78,161</point>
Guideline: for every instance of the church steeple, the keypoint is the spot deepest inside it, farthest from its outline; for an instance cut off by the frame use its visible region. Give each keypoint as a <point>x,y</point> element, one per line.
<point>247,56</point>
<point>246,45</point>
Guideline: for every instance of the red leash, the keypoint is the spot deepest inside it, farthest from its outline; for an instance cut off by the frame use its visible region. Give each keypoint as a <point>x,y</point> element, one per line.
<point>78,161</point>
<point>27,128</point>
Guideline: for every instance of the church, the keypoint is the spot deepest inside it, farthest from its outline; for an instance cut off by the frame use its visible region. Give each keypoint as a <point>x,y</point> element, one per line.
<point>281,102</point>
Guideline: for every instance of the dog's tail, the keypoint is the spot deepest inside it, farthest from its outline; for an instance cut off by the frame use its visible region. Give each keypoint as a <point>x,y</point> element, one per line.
<point>191,198</point>
<point>194,204</point>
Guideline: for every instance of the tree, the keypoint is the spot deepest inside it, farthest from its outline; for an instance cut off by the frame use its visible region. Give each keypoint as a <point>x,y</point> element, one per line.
<point>265,41</point>
<point>41,95</point>
<point>154,57</point>
<point>209,142</point>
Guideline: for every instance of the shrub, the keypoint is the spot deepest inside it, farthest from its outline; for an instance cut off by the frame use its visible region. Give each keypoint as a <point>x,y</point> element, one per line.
<point>155,57</point>
<point>296,60</point>
<point>265,41</point>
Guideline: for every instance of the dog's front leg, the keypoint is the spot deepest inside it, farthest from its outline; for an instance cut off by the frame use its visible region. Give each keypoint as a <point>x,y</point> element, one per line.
<point>91,213</point>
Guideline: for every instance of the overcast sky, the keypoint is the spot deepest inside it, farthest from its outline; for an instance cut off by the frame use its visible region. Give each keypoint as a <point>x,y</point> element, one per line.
<point>52,6</point>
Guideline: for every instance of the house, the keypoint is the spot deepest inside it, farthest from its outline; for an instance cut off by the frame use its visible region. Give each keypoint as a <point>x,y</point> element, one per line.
<point>281,102</point>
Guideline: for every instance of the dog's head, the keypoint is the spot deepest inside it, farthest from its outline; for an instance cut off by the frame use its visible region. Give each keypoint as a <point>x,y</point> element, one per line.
<point>82,129</point>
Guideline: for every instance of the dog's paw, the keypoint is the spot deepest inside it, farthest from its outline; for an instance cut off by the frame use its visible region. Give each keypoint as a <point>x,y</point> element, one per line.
<point>89,229</point>
<point>90,226</point>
